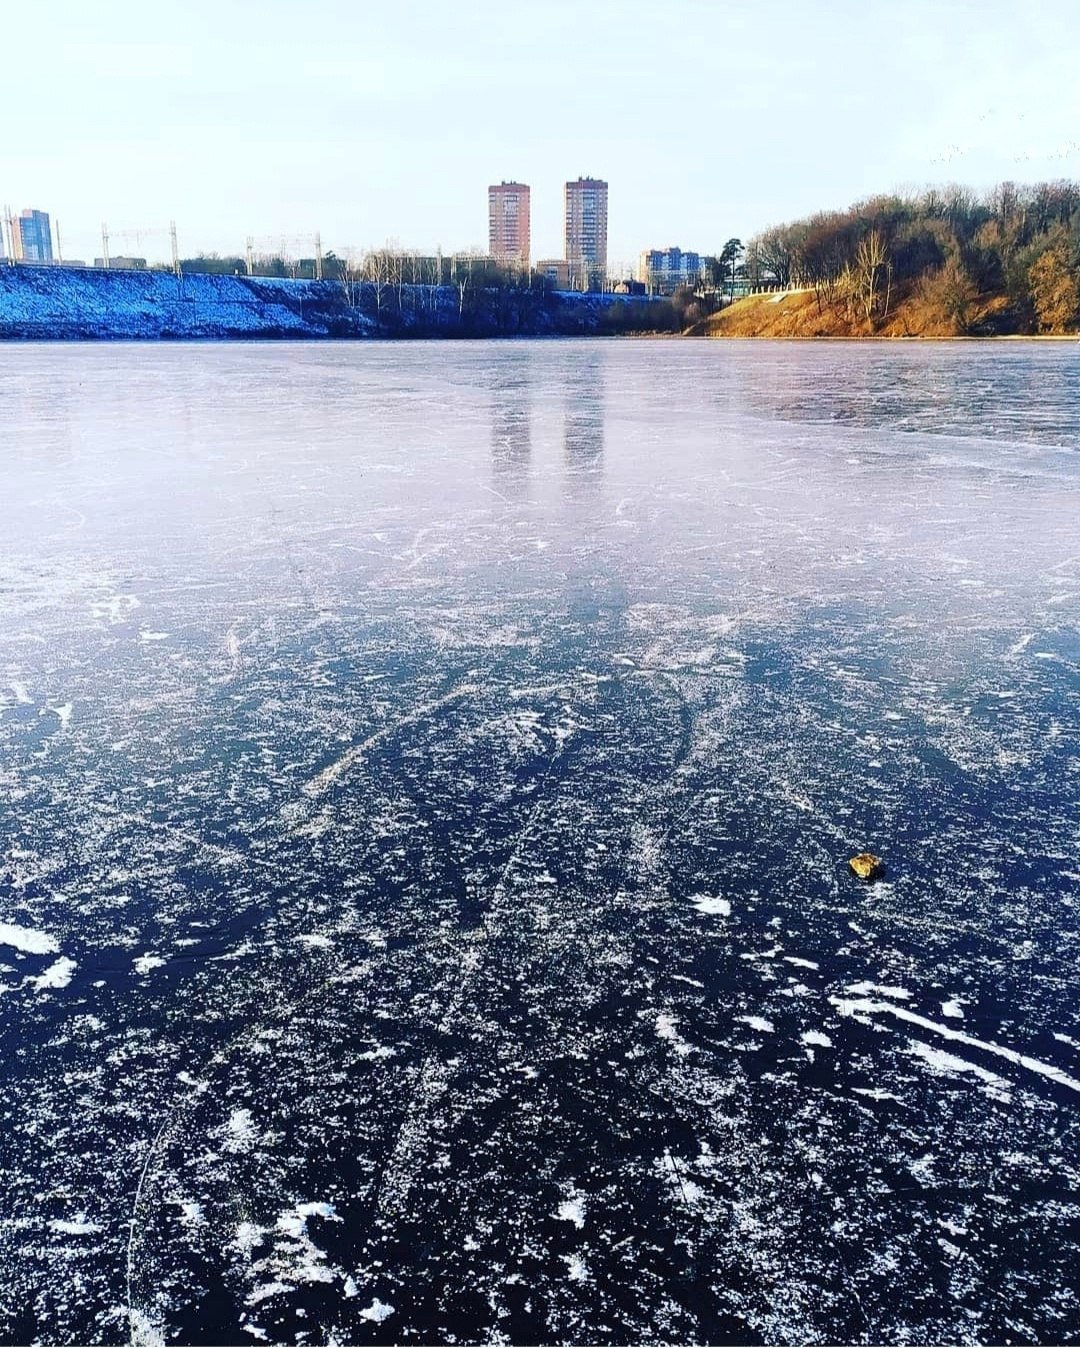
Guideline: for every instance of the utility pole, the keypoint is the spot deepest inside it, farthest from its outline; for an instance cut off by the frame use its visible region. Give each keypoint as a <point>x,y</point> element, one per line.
<point>175,250</point>
<point>105,244</point>
<point>250,255</point>
<point>59,246</point>
<point>318,256</point>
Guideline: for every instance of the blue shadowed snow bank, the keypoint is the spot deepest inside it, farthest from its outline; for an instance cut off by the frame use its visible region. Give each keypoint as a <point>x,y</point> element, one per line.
<point>74,303</point>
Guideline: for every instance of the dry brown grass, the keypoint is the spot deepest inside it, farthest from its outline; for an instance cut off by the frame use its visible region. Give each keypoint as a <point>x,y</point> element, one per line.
<point>798,314</point>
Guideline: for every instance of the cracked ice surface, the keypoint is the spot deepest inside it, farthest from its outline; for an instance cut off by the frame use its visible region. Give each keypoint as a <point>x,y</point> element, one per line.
<point>428,777</point>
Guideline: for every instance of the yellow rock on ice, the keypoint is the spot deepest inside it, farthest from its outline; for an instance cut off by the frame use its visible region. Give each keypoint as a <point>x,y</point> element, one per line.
<point>866,866</point>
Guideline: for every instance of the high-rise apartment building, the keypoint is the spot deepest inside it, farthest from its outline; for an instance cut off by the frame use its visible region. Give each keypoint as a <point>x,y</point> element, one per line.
<point>508,222</point>
<point>586,222</point>
<point>31,237</point>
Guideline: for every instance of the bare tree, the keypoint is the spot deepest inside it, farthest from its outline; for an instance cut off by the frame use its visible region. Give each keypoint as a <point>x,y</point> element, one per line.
<point>377,273</point>
<point>774,253</point>
<point>349,271</point>
<point>873,274</point>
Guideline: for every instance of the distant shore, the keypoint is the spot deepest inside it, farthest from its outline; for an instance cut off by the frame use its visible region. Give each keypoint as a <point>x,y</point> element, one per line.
<point>88,304</point>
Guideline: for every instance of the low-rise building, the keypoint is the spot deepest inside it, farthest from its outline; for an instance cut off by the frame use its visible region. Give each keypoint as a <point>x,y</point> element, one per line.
<point>565,275</point>
<point>663,270</point>
<point>556,270</point>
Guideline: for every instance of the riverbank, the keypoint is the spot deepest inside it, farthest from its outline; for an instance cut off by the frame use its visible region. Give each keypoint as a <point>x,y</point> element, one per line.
<point>83,304</point>
<point>805,313</point>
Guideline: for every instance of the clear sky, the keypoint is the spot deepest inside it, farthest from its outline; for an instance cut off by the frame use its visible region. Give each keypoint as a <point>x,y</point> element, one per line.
<point>376,120</point>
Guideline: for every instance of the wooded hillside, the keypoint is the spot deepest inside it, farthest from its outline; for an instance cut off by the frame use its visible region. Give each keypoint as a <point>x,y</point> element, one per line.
<point>945,262</point>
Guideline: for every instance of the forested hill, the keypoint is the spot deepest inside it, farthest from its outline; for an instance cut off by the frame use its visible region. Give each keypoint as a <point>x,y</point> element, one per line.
<point>945,262</point>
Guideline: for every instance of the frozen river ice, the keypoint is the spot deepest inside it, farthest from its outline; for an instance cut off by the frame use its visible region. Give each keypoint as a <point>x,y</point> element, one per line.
<point>428,775</point>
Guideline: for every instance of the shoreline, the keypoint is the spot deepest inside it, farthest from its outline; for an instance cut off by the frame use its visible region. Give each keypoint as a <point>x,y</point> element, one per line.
<point>280,338</point>
<point>805,315</point>
<point>887,337</point>
<point>80,304</point>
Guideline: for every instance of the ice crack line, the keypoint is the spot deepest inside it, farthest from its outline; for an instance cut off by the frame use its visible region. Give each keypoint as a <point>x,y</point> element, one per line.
<point>404,1163</point>
<point>321,783</point>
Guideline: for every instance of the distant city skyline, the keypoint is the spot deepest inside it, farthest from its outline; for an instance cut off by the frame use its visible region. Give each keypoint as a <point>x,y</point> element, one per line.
<point>372,126</point>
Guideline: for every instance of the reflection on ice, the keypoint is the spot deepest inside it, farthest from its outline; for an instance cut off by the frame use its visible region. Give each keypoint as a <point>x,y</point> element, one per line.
<point>511,421</point>
<point>583,419</point>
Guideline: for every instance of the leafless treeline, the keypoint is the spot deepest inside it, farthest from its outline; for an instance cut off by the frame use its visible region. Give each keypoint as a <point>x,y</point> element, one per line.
<point>415,278</point>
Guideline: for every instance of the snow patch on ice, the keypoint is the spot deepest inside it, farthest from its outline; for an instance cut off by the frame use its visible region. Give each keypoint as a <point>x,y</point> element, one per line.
<point>711,906</point>
<point>78,1227</point>
<point>30,940</point>
<point>758,1023</point>
<point>576,1268</point>
<point>142,964</point>
<point>294,1222</point>
<point>57,975</point>
<point>378,1311</point>
<point>667,1028</point>
<point>816,1038</point>
<point>266,1290</point>
<point>572,1210</point>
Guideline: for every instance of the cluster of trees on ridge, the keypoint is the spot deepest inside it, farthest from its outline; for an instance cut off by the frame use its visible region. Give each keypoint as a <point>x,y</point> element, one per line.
<point>945,247</point>
<point>403,290</point>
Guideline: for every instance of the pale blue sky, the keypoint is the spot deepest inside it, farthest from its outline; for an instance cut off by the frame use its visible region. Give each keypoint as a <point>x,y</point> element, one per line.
<point>375,121</point>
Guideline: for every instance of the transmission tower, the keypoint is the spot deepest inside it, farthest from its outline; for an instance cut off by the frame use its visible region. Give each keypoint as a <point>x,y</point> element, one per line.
<point>154,231</point>
<point>284,244</point>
